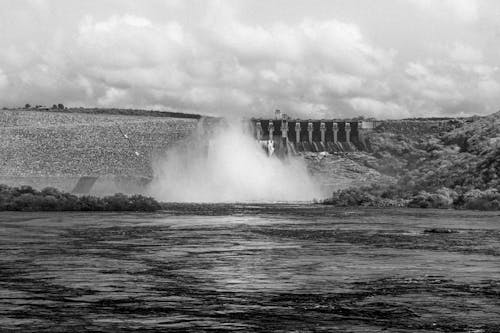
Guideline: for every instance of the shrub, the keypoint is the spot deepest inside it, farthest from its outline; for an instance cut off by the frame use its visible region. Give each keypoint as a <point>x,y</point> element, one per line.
<point>375,196</point>
<point>25,198</point>
<point>117,202</point>
<point>49,203</point>
<point>443,198</point>
<point>142,203</point>
<point>482,200</point>
<point>51,191</point>
<point>90,203</point>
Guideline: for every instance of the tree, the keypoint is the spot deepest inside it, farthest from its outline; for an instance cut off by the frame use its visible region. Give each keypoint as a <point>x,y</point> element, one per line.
<point>54,106</point>
<point>27,106</point>
<point>60,106</point>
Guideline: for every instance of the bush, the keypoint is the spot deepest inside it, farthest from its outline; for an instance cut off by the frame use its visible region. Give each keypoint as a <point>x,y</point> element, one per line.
<point>25,198</point>
<point>368,196</point>
<point>443,198</point>
<point>481,200</point>
<point>378,195</point>
<point>117,202</point>
<point>90,203</point>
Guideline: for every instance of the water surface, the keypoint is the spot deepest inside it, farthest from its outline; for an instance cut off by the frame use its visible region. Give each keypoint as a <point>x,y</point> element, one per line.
<point>265,268</point>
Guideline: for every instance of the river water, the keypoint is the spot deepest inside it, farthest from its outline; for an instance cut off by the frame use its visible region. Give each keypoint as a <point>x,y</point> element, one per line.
<point>251,268</point>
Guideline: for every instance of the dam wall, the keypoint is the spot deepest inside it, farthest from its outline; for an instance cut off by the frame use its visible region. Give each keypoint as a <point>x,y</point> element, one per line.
<point>321,135</point>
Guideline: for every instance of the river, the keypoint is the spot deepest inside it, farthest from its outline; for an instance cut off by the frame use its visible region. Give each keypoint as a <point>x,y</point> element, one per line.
<point>251,268</point>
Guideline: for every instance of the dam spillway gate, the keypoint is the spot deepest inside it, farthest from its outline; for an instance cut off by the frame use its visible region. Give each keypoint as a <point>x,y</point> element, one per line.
<point>325,135</point>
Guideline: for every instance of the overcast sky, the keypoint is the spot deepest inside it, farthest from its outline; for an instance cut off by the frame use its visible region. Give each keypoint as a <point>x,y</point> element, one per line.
<point>314,58</point>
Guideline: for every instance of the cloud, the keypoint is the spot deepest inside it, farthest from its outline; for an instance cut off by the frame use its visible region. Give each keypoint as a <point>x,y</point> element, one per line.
<point>3,80</point>
<point>128,42</point>
<point>218,61</point>
<point>443,87</point>
<point>465,53</point>
<point>378,109</point>
<point>463,10</point>
<point>228,67</point>
<point>426,82</point>
<point>489,88</point>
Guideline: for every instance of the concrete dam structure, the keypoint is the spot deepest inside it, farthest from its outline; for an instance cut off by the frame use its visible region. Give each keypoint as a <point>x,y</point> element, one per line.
<point>322,135</point>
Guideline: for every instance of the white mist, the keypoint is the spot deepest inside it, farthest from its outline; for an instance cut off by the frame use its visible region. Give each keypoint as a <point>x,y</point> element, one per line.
<point>228,165</point>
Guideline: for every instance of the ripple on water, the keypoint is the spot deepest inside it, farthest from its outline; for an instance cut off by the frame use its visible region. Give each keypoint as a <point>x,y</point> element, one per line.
<point>250,268</point>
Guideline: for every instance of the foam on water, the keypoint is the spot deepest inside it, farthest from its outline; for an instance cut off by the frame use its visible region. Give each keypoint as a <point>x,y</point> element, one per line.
<point>226,164</point>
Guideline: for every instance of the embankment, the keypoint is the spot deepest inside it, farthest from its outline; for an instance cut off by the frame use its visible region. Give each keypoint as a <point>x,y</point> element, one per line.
<point>43,148</point>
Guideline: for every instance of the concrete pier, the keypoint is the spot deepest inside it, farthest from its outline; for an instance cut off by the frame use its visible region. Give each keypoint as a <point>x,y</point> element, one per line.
<point>335,129</point>
<point>310,131</point>
<point>284,129</point>
<point>322,128</point>
<point>297,132</point>
<point>348,132</point>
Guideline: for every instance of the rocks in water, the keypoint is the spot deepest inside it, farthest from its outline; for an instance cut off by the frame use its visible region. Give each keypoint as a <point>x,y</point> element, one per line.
<point>440,231</point>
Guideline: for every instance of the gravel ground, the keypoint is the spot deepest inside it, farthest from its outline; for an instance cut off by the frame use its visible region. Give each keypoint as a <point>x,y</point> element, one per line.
<point>38,143</point>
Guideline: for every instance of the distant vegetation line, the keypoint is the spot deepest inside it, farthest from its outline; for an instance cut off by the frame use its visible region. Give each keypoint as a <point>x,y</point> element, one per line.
<point>135,112</point>
<point>114,111</point>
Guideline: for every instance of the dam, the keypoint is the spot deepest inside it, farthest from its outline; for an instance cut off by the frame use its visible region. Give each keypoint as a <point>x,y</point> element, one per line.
<point>314,135</point>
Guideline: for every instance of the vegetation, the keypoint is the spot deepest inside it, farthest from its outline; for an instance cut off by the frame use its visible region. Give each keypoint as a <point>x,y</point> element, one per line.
<point>458,167</point>
<point>397,196</point>
<point>26,198</point>
<point>134,112</point>
<point>109,111</point>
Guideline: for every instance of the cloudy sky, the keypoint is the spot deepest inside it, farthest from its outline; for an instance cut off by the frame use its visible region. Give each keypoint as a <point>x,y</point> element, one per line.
<point>314,58</point>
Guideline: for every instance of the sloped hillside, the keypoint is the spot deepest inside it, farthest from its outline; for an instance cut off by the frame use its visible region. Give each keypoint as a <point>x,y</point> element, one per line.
<point>455,168</point>
<point>462,159</point>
